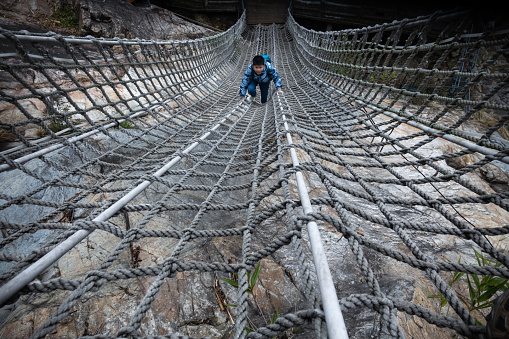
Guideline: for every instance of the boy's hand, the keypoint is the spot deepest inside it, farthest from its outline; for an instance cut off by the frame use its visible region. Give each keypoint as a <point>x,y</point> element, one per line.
<point>280,91</point>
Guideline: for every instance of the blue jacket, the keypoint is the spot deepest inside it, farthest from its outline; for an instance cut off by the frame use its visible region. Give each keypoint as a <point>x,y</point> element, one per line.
<point>269,73</point>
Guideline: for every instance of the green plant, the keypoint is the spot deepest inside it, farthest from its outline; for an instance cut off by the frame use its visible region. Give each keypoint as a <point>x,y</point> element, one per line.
<point>269,141</point>
<point>250,329</point>
<point>251,280</point>
<point>41,133</point>
<point>273,319</point>
<point>126,124</point>
<point>384,77</point>
<point>482,290</point>
<point>67,17</point>
<point>440,297</point>
<point>338,69</point>
<point>56,125</point>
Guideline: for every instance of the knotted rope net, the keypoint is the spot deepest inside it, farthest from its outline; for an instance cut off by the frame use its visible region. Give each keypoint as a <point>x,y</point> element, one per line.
<point>146,145</point>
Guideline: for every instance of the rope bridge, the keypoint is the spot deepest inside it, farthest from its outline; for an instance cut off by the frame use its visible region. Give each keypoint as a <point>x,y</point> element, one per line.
<point>153,147</point>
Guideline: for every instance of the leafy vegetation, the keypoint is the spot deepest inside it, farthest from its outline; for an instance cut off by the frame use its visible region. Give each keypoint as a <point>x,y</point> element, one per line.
<point>56,125</point>
<point>385,77</point>
<point>249,329</point>
<point>126,124</point>
<point>251,279</point>
<point>67,17</point>
<point>482,290</point>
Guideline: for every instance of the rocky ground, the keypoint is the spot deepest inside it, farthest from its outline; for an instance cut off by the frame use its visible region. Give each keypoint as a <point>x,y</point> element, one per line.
<point>188,303</point>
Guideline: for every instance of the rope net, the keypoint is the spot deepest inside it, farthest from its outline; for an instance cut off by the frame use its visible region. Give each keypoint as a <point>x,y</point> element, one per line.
<point>145,147</point>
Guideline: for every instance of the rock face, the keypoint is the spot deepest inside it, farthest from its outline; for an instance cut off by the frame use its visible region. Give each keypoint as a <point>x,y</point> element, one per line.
<point>120,19</point>
<point>189,303</point>
<point>109,19</point>
<point>193,303</point>
<point>26,8</point>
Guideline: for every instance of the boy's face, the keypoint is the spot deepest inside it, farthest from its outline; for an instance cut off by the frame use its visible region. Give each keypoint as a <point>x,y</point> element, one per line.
<point>258,69</point>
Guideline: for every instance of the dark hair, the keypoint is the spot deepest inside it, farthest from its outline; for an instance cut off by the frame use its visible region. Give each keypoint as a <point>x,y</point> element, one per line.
<point>258,60</point>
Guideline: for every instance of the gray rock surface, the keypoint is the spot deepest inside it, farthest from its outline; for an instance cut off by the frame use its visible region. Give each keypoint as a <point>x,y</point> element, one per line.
<point>120,19</point>
<point>108,19</point>
<point>187,302</point>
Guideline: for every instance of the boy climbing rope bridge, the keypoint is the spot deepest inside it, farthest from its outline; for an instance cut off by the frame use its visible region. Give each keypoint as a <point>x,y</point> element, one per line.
<point>260,72</point>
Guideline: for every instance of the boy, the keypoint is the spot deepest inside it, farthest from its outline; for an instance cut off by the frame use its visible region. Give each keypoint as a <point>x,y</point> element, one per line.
<point>260,72</point>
